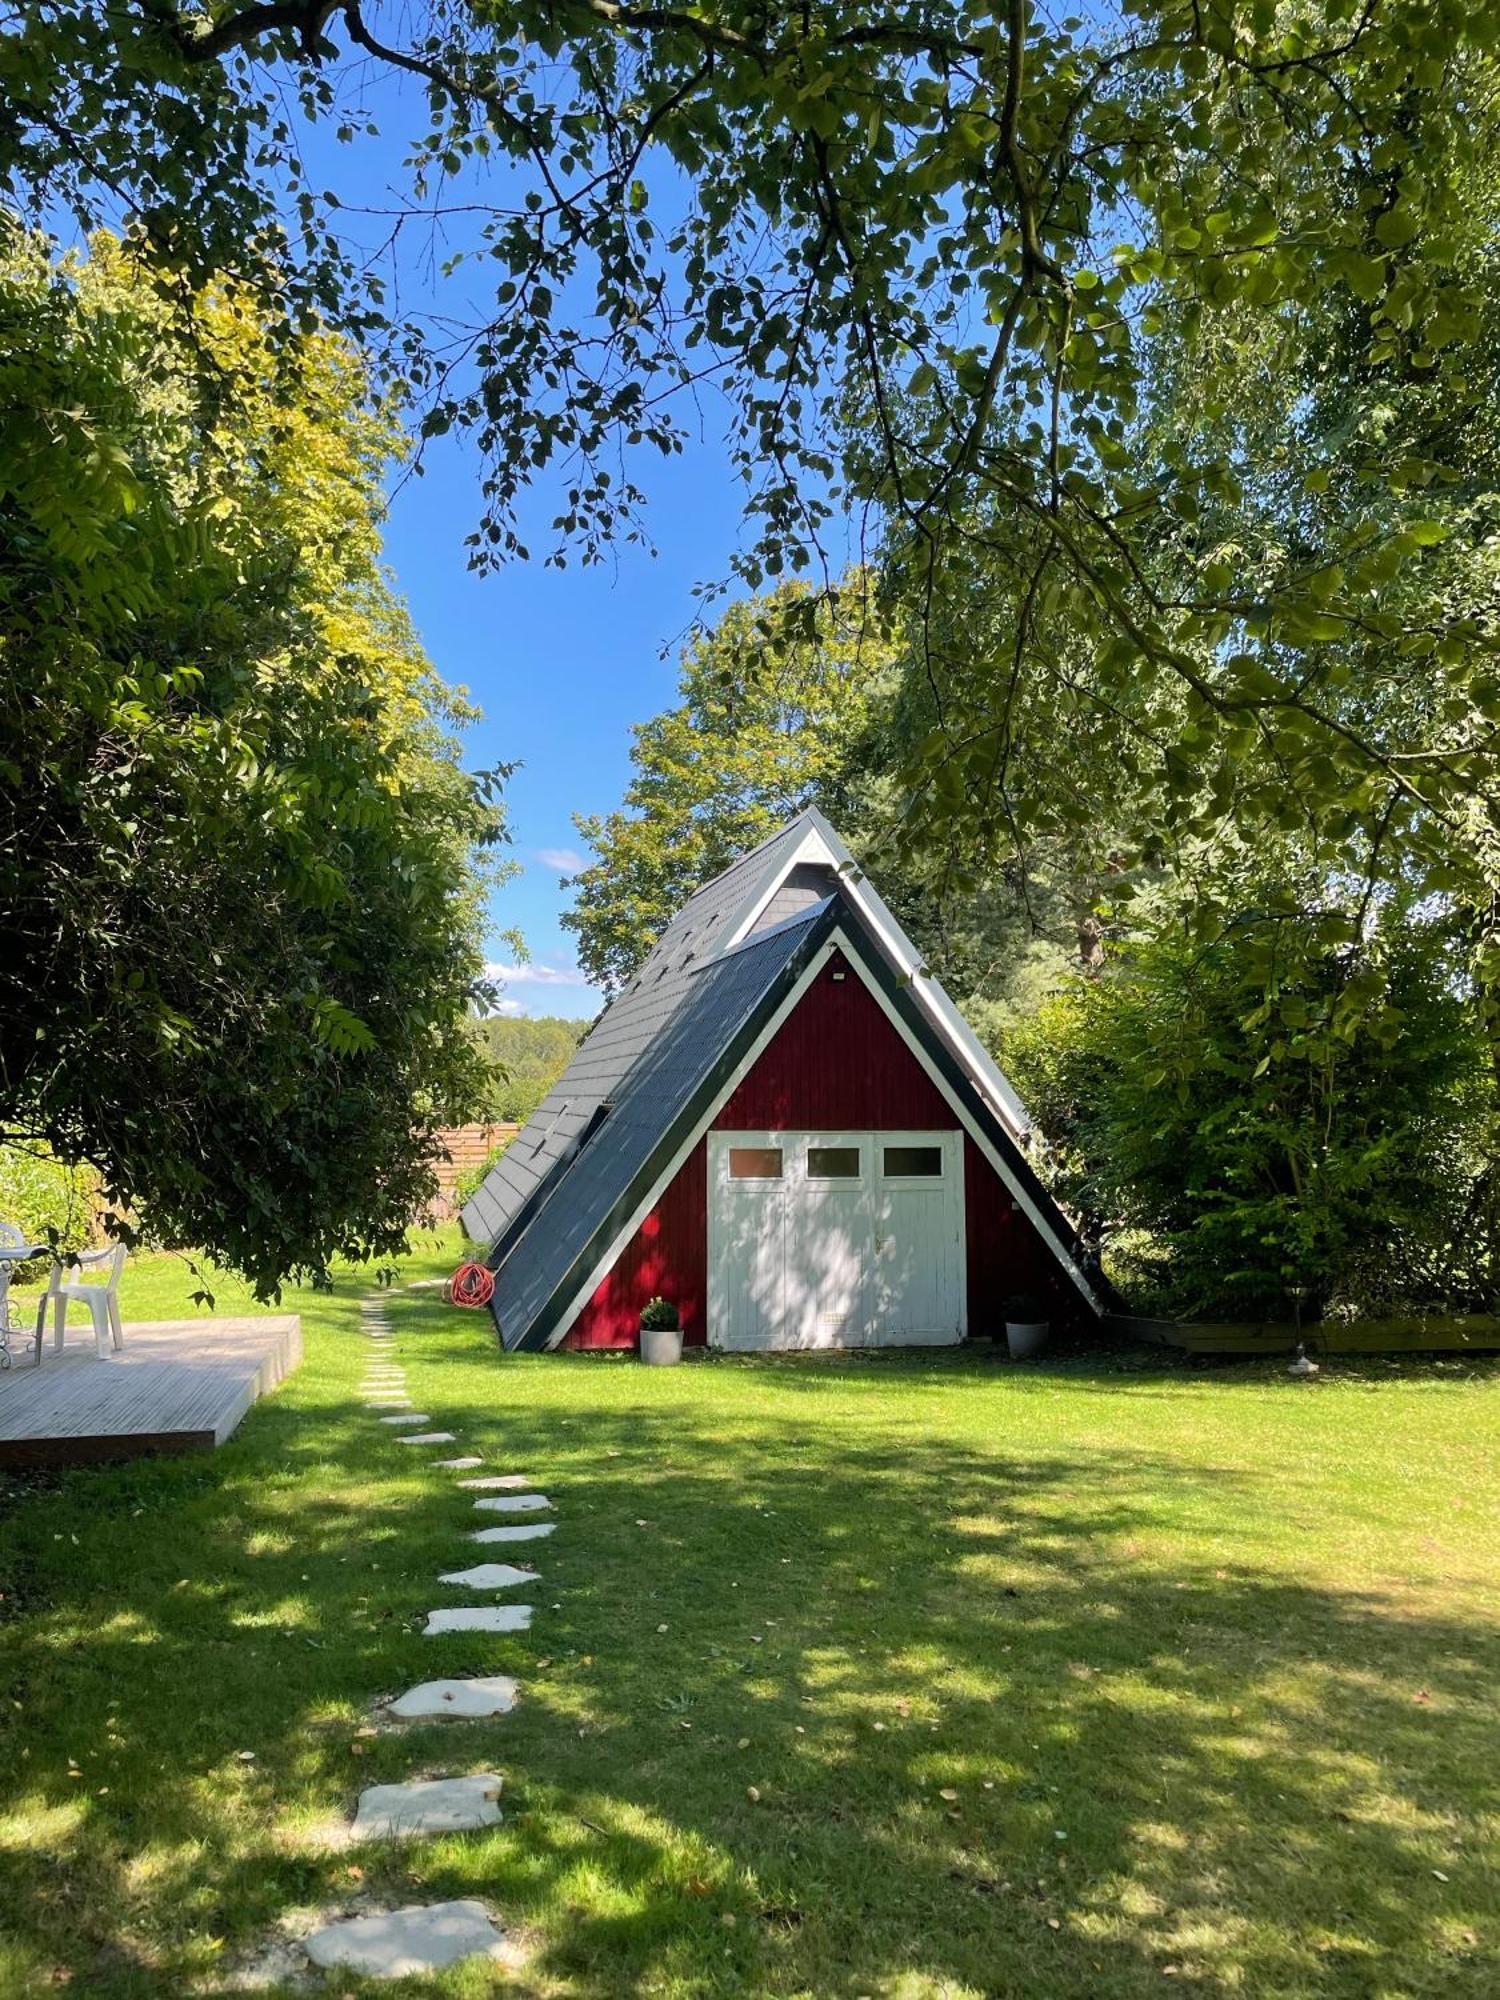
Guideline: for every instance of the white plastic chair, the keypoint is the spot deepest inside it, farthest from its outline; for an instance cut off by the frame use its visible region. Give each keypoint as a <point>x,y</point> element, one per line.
<point>102,1300</point>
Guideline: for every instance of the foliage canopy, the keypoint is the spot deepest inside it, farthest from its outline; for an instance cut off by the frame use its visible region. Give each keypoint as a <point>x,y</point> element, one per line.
<point>938,260</point>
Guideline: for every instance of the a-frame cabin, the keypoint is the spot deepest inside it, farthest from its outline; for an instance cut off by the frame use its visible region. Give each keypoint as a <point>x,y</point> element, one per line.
<point>784,1126</point>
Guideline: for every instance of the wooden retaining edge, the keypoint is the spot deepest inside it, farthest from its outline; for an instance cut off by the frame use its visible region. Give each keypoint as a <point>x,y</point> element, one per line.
<point>1417,1333</point>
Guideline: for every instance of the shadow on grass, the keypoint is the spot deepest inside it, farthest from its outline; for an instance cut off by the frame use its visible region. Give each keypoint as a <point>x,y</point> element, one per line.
<point>1160,1756</point>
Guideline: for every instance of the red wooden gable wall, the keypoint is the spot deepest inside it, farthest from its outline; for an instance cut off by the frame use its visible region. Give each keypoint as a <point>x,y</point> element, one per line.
<point>835,1064</point>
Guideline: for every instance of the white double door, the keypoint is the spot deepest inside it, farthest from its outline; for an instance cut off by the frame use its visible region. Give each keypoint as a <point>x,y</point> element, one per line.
<point>835,1239</point>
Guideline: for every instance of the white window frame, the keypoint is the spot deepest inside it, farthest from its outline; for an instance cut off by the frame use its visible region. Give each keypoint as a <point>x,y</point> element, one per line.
<point>948,1153</point>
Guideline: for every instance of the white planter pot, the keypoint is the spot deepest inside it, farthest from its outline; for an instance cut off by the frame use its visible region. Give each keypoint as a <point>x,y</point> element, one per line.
<point>661,1345</point>
<point>1026,1338</point>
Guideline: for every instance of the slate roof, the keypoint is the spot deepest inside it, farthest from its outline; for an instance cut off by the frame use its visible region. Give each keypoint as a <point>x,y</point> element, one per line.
<point>623,1032</point>
<point>691,1051</point>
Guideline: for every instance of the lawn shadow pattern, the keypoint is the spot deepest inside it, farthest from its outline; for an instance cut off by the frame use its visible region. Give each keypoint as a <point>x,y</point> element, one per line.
<point>1265,1785</point>
<point>1256,1775</point>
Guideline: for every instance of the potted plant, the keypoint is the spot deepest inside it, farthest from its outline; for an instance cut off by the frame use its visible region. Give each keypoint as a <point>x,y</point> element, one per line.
<point>1026,1325</point>
<point>661,1333</point>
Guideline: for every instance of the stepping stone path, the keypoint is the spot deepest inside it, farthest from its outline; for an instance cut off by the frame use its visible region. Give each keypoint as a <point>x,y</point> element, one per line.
<point>494,1694</point>
<point>419,1938</point>
<point>424,1938</point>
<point>431,1805</point>
<point>479,1618</point>
<point>490,1576</point>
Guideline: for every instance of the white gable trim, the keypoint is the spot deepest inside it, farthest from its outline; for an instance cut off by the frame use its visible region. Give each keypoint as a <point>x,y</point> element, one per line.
<point>838,941</point>
<point>820,843</point>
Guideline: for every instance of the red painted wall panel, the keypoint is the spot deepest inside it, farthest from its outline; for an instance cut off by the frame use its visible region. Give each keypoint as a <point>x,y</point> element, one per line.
<point>668,1255</point>
<point>836,1065</point>
<point>1004,1252</point>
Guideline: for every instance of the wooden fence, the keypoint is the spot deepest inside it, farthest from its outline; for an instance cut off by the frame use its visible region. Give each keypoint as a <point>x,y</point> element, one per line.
<point>463,1147</point>
<point>1418,1333</point>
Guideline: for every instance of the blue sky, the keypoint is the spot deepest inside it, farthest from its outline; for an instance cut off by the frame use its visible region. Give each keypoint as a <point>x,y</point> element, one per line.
<point>562,662</point>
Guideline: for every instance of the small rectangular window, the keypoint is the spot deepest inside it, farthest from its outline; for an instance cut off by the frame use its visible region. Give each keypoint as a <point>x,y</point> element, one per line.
<point>833,1163</point>
<point>755,1163</point>
<point>914,1163</point>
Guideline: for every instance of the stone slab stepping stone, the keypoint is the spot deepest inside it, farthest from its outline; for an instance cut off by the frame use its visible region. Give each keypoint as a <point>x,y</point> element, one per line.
<point>428,1437</point>
<point>497,1481</point>
<point>422,1937</point>
<point>479,1618</point>
<point>408,1417</point>
<point>432,1805</point>
<point>490,1576</point>
<point>514,1503</point>
<point>495,1694</point>
<point>528,1533</point>
<point>456,1464</point>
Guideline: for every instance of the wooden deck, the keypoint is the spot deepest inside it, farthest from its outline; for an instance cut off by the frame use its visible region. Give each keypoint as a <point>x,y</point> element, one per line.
<point>176,1385</point>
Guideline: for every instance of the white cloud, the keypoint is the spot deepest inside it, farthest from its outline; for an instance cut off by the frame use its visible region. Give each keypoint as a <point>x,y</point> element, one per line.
<point>511,1009</point>
<point>566,860</point>
<point>534,973</point>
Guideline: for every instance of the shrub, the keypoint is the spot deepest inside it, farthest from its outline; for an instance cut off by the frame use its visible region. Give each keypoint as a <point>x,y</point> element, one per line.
<point>50,1202</point>
<point>1239,1143</point>
<point>658,1313</point>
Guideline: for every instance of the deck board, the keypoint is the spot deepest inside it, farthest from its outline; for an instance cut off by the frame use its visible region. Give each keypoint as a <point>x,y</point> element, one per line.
<point>176,1385</point>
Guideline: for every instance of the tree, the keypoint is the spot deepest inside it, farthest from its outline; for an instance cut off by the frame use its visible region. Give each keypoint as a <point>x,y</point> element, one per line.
<point>525,1058</point>
<point>794,699</point>
<point>928,254</point>
<point>1333,1145</point>
<point>775,700</point>
<point>237,851</point>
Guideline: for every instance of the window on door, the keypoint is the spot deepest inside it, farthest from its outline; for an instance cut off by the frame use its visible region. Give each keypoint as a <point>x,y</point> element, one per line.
<point>833,1163</point>
<point>755,1163</point>
<point>913,1163</point>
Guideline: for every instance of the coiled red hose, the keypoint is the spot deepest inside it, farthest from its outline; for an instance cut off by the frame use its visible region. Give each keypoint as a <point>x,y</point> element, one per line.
<point>471,1285</point>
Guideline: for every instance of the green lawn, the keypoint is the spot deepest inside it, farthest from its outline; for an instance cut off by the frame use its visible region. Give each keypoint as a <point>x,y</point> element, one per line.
<point>883,1676</point>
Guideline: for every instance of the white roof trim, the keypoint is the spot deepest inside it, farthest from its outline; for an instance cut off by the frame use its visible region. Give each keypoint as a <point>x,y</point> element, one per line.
<point>820,843</point>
